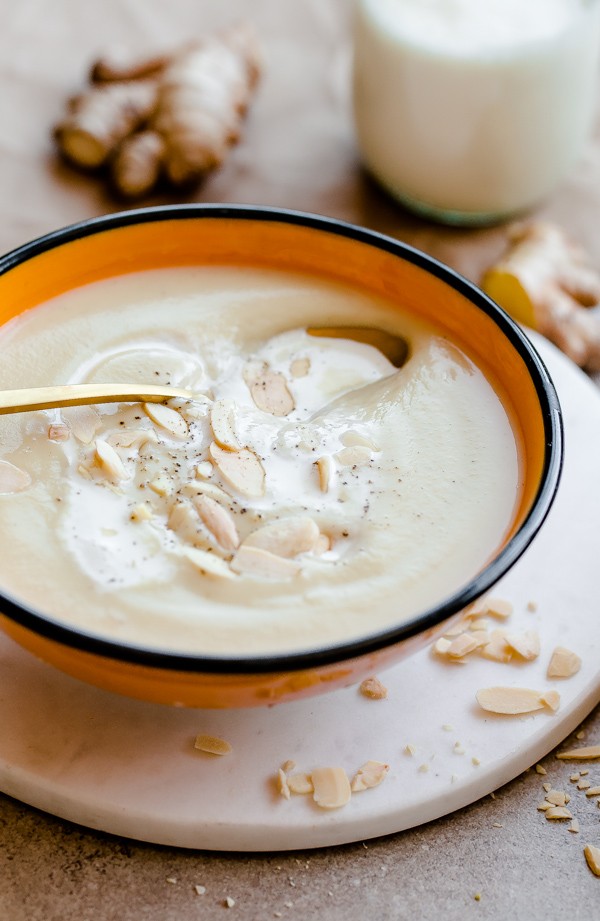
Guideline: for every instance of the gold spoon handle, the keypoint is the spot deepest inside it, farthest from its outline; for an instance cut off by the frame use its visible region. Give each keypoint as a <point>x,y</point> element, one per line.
<point>20,401</point>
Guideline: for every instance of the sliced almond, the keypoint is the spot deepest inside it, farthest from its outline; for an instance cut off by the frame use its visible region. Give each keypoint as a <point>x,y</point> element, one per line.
<point>550,699</point>
<point>208,563</point>
<point>583,785</point>
<point>260,564</point>
<point>287,537</point>
<point>556,797</point>
<point>141,512</point>
<point>212,745</point>
<point>270,392</point>
<point>574,826</point>
<point>84,422</point>
<point>219,522</point>
<point>498,607</point>
<point>369,775</point>
<point>109,461</point>
<point>588,753</point>
<point>202,488</point>
<point>510,701</point>
<point>558,812</point>
<point>497,649</point>
<point>136,438</point>
<point>222,421</point>
<point>204,470</point>
<point>59,432</point>
<point>543,807</point>
<point>300,367</point>
<point>351,438</point>
<point>162,486</point>
<point>563,663</point>
<point>241,469</point>
<point>593,791</point>
<point>13,479</point>
<point>183,519</point>
<point>373,688</point>
<point>331,787</point>
<point>167,418</point>
<point>324,467</point>
<point>441,646</point>
<point>461,646</point>
<point>300,783</point>
<point>592,855</point>
<point>356,456</point>
<point>526,645</point>
<point>288,765</point>
<point>282,784</point>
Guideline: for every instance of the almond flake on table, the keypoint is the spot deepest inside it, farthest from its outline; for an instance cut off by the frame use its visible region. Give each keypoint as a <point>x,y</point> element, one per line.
<point>592,855</point>
<point>588,753</point>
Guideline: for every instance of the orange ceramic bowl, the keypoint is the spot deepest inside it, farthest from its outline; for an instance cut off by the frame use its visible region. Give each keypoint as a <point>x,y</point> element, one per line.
<point>256,236</point>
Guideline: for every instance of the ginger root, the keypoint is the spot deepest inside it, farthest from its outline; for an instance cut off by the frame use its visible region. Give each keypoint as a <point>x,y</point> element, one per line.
<point>171,116</point>
<point>544,281</point>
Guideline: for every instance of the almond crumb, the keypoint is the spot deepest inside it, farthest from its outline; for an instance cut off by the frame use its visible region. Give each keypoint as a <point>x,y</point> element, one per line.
<point>532,606</point>
<point>574,826</point>
<point>526,645</point>
<point>410,749</point>
<point>547,787</point>
<point>574,778</point>
<point>200,890</point>
<point>373,688</point>
<point>423,768</point>
<point>498,607</point>
<point>288,765</point>
<point>212,745</point>
<point>557,813</point>
<point>497,825</point>
<point>229,902</point>
<point>583,785</point>
<point>540,769</point>
<point>592,855</point>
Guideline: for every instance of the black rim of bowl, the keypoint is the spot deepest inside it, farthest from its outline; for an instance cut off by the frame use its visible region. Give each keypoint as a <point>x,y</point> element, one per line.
<point>310,658</point>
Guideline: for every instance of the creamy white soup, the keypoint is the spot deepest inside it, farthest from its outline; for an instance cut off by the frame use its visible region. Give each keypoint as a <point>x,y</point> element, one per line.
<point>310,493</point>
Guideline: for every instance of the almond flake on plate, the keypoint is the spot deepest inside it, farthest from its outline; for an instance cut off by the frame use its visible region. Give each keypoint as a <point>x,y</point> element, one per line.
<point>511,701</point>
<point>563,663</point>
<point>300,783</point>
<point>167,418</point>
<point>241,469</point>
<point>222,421</point>
<point>527,644</point>
<point>369,775</point>
<point>331,787</point>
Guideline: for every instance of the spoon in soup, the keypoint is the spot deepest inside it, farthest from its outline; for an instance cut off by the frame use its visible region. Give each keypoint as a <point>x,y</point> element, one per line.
<point>395,349</point>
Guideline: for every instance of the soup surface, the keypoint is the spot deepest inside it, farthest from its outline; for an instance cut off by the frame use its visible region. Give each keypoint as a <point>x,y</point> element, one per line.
<point>310,493</point>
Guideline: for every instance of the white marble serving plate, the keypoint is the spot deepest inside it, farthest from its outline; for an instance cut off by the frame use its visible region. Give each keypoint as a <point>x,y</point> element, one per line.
<point>130,768</point>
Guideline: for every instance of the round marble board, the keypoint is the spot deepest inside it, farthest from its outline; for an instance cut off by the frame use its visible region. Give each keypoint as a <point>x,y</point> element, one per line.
<point>130,768</point>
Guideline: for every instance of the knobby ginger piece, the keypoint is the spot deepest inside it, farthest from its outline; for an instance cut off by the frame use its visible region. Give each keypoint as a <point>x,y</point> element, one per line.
<point>563,663</point>
<point>588,753</point>
<point>137,163</point>
<point>511,701</point>
<point>545,282</point>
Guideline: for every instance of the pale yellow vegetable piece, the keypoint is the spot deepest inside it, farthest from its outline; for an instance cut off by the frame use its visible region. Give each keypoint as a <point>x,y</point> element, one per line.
<point>241,469</point>
<point>369,775</point>
<point>167,418</point>
<point>331,787</point>
<point>563,663</point>
<point>222,421</point>
<point>287,537</point>
<point>212,745</point>
<point>592,855</point>
<point>13,479</point>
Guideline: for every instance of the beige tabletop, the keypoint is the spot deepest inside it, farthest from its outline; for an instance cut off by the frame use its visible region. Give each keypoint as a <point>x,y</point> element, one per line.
<point>298,151</point>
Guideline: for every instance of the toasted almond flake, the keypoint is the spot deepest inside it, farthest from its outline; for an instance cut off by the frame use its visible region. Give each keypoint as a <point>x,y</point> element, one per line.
<point>574,778</point>
<point>509,701</point>
<point>442,646</point>
<point>324,467</point>
<point>373,688</point>
<point>162,486</point>
<point>84,422</point>
<point>351,439</point>
<point>241,469</point>
<point>547,787</point>
<point>282,784</point>
<point>200,890</point>
<point>563,663</point>
<point>526,645</point>
<point>550,699</point>
<point>357,456</point>
<point>222,421</point>
<point>204,470</point>
<point>461,646</point>
<point>558,812</point>
<point>498,607</point>
<point>410,749</point>
<point>270,392</point>
<point>167,418</point>
<point>208,563</point>
<point>461,626</point>
<point>556,797</point>
<point>540,769</point>
<point>544,806</point>
<point>589,753</point>
<point>260,564</point>
<point>287,537</point>
<point>574,826</point>
<point>212,745</point>
<point>331,787</point>
<point>288,765</point>
<point>141,512</point>
<point>592,855</point>
<point>59,432</point>
<point>109,461</point>
<point>300,367</point>
<point>593,791</point>
<point>13,479</point>
<point>369,775</point>
<point>219,521</point>
<point>497,649</point>
<point>583,785</point>
<point>300,783</point>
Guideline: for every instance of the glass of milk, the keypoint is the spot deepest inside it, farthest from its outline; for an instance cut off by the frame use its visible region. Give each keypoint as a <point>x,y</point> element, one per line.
<point>471,111</point>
